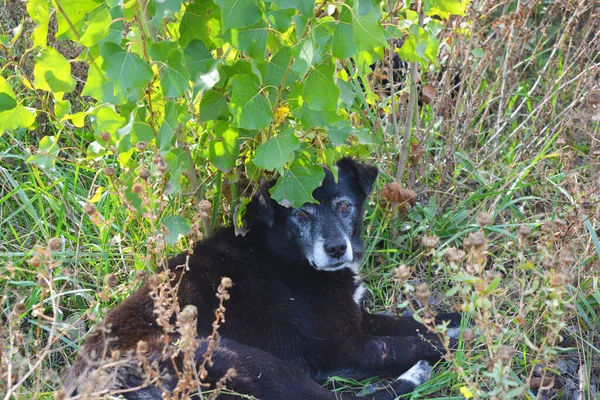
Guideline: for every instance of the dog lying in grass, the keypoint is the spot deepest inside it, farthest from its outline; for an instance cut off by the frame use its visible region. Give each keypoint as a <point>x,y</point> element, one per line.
<point>293,317</point>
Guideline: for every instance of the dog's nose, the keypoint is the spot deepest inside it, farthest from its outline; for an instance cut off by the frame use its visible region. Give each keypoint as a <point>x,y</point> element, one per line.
<point>336,248</point>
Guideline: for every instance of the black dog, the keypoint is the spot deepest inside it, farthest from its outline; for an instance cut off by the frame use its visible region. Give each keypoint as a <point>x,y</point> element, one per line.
<point>294,317</point>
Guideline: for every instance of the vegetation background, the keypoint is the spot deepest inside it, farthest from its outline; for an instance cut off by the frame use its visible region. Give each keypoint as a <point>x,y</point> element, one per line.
<point>130,129</point>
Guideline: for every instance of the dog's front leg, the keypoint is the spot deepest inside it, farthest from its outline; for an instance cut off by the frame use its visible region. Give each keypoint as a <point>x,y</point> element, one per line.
<point>366,356</point>
<point>386,325</point>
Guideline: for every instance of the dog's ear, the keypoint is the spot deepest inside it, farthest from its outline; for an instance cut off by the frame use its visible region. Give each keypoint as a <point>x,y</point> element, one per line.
<point>364,175</point>
<point>261,209</point>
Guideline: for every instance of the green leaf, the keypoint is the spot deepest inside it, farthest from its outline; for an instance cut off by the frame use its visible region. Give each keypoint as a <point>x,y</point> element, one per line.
<point>174,78</point>
<point>323,31</point>
<point>306,54</point>
<point>277,66</point>
<point>141,132</point>
<point>107,120</point>
<point>317,118</point>
<point>252,39</point>
<point>277,151</point>
<point>339,133</point>
<point>224,151</point>
<point>7,102</point>
<point>419,46</point>
<point>201,21</point>
<point>304,6</point>
<point>320,91</point>
<point>61,108</point>
<point>45,158</point>
<point>12,114</point>
<point>281,20</point>
<point>52,72</point>
<point>96,27</point>
<point>197,58</point>
<point>296,185</point>
<point>250,108</point>
<point>178,162</point>
<point>364,60</point>
<point>102,88</point>
<point>162,9</point>
<point>213,106</point>
<point>478,52</point>
<point>239,13</point>
<point>177,227</point>
<point>446,8</point>
<point>366,25</point>
<point>126,69</point>
<point>18,117</point>
<point>75,14</point>
<point>341,47</point>
<point>77,119</point>
<point>40,14</point>
<point>174,114</point>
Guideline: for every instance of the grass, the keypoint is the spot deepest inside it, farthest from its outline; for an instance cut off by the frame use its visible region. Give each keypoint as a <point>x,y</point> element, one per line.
<point>515,140</point>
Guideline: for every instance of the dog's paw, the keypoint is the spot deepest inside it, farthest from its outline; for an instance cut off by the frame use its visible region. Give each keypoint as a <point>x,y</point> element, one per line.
<point>418,374</point>
<point>453,333</point>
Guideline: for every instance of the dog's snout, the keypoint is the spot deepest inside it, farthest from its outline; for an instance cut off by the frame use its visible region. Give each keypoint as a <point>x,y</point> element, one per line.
<point>336,248</point>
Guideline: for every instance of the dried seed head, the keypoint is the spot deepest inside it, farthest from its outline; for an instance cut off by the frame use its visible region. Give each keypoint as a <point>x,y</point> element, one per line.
<point>111,280</point>
<point>226,282</point>
<point>115,355</point>
<point>60,394</point>
<point>109,171</point>
<point>141,347</point>
<point>19,308</point>
<point>144,173</point>
<point>141,275</point>
<point>141,146</point>
<point>506,353</point>
<point>154,281</point>
<point>401,273</point>
<point>162,167</point>
<point>525,231</point>
<point>558,278</point>
<point>567,258</point>
<point>89,208</point>
<point>593,99</point>
<point>454,255</point>
<point>35,261</point>
<point>43,281</point>
<point>422,292</point>
<point>475,239</point>
<point>205,206</point>
<point>55,244</point>
<point>161,164</point>
<point>484,218</point>
<point>550,263</point>
<point>468,335</point>
<point>188,314</point>
<point>137,188</point>
<point>105,136</point>
<point>430,242</point>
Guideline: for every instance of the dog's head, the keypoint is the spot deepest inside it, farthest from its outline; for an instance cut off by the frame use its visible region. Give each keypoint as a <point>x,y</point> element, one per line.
<point>328,234</point>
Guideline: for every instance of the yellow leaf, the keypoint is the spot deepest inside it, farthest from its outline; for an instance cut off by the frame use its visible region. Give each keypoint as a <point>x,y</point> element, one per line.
<point>96,197</point>
<point>281,113</point>
<point>465,391</point>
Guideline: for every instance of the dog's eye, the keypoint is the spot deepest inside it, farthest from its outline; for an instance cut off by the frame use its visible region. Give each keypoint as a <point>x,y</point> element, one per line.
<point>343,206</point>
<point>303,214</point>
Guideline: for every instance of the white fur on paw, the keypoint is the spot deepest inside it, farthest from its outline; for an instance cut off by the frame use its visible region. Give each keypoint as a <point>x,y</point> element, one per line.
<point>418,374</point>
<point>453,333</point>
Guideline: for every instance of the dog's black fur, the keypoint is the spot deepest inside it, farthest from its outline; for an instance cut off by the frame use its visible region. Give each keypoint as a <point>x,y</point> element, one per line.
<point>294,316</point>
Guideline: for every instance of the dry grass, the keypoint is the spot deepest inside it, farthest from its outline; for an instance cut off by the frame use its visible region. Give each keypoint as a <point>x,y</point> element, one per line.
<point>504,162</point>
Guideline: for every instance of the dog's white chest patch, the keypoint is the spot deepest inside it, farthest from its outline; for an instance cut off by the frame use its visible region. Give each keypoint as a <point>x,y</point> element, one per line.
<point>359,293</point>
